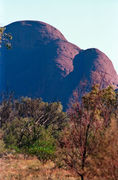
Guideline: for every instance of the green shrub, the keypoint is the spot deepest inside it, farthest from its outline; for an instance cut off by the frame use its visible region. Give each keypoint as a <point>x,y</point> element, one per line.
<point>32,126</point>
<point>15,132</point>
<point>44,148</point>
<point>24,135</point>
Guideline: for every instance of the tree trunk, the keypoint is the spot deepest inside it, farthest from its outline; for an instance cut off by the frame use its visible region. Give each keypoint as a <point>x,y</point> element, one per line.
<point>82,177</point>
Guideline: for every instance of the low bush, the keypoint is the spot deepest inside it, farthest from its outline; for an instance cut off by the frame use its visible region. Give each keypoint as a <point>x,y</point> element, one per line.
<point>44,148</point>
<point>32,126</point>
<point>24,135</point>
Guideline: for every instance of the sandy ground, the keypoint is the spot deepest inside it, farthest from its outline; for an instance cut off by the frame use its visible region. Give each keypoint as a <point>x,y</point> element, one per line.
<point>19,168</point>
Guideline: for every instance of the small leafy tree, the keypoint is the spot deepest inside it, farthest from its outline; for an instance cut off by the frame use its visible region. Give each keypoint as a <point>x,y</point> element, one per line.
<point>88,123</point>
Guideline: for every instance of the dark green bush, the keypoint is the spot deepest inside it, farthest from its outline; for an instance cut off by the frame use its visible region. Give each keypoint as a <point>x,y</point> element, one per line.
<point>44,148</point>
<point>24,135</point>
<point>32,126</point>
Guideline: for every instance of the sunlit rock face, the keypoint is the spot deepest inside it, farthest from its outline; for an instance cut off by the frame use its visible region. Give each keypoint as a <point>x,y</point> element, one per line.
<point>42,63</point>
<point>95,67</point>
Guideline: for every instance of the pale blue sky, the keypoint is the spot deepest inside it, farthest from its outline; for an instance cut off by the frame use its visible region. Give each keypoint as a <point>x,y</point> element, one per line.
<point>86,23</point>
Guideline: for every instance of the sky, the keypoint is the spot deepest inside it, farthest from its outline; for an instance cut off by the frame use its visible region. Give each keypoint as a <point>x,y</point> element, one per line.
<point>86,23</point>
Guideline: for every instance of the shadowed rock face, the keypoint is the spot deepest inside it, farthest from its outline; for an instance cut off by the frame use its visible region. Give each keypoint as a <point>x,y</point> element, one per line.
<point>42,63</point>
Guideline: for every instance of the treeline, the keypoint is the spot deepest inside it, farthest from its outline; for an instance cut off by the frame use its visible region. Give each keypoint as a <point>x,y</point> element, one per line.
<point>84,139</point>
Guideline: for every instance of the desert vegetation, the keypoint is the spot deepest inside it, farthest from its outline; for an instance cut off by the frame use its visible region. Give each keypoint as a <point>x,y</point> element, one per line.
<point>89,145</point>
<point>82,141</point>
<point>5,38</point>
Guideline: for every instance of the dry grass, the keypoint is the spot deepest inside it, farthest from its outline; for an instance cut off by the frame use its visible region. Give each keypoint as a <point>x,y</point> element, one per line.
<point>16,167</point>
